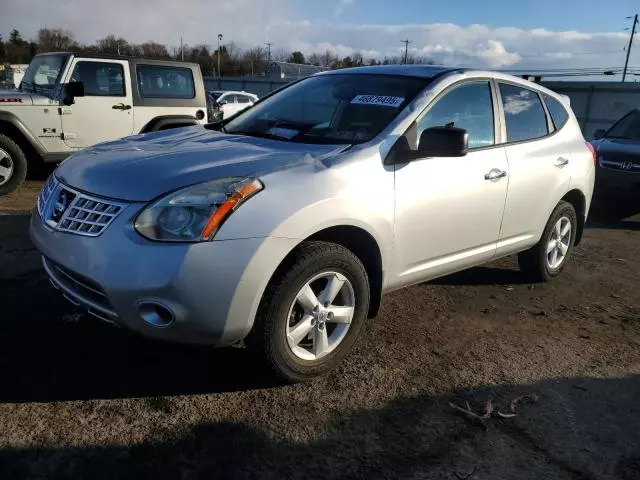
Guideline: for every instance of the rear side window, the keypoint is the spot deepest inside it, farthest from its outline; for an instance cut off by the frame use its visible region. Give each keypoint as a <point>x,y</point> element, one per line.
<point>523,112</point>
<point>165,82</point>
<point>558,113</point>
<point>243,99</point>
<point>468,106</point>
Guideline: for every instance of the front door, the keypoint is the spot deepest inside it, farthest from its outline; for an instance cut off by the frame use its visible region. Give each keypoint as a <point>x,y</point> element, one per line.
<point>449,210</point>
<point>106,110</point>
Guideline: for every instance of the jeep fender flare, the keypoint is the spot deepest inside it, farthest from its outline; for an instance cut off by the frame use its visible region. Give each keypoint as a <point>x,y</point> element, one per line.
<point>13,120</point>
<point>169,121</point>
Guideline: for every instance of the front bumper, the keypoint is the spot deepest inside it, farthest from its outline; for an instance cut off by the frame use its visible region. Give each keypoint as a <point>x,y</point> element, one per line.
<point>212,288</point>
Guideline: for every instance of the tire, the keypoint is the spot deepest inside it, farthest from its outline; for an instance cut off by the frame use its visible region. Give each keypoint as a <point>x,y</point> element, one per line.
<point>538,263</point>
<point>280,312</point>
<point>11,157</point>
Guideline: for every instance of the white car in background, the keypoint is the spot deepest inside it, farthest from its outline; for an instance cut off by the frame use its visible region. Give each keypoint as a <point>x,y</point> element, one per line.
<point>231,102</point>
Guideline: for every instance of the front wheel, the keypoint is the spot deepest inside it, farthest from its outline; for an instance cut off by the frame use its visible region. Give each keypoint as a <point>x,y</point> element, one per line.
<point>13,165</point>
<point>548,257</point>
<point>312,314</point>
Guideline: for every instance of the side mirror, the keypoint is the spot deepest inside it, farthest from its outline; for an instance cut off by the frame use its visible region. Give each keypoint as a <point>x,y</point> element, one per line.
<point>73,90</point>
<point>599,133</point>
<point>442,142</point>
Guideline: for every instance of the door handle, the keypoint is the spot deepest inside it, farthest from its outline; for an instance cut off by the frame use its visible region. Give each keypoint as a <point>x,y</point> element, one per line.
<point>121,106</point>
<point>561,162</point>
<point>495,174</point>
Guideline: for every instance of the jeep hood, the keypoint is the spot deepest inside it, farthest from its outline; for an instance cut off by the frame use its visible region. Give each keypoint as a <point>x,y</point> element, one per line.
<point>143,167</point>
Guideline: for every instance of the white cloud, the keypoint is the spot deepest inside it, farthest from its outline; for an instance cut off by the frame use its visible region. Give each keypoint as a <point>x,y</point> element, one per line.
<point>496,55</point>
<point>282,22</point>
<point>342,4</point>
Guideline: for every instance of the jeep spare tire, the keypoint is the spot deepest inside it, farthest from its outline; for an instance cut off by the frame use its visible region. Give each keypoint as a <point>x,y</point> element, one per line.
<point>13,165</point>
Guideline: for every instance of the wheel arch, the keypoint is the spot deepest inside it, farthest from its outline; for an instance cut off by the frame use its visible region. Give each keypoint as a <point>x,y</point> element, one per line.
<point>362,244</point>
<point>11,126</point>
<point>576,198</point>
<point>166,122</point>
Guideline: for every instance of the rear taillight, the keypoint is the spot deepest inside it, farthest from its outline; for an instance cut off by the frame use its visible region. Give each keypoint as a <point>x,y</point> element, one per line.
<point>593,152</point>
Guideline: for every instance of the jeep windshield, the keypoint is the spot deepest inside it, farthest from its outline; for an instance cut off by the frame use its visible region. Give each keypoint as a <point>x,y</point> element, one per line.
<point>329,109</point>
<point>43,73</point>
<point>628,127</point>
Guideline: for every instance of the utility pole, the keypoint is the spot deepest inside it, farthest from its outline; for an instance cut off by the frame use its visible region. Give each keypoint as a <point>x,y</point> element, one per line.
<point>268,44</point>
<point>406,49</point>
<point>220,37</point>
<point>181,48</point>
<point>633,31</point>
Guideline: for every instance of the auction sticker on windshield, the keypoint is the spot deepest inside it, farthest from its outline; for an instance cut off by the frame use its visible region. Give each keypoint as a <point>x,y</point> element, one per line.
<point>381,100</point>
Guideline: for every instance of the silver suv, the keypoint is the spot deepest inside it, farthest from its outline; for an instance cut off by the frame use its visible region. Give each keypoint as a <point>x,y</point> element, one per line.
<point>283,226</point>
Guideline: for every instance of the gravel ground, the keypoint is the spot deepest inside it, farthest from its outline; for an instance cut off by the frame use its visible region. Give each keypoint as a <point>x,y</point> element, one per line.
<point>80,399</point>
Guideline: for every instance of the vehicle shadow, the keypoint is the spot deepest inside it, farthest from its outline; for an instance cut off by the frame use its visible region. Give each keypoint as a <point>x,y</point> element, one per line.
<point>576,428</point>
<point>50,351</point>
<point>615,213</point>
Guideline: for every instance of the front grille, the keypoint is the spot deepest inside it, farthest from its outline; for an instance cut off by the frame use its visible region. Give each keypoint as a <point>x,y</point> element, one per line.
<point>621,162</point>
<point>45,194</point>
<point>82,290</point>
<point>68,210</point>
<point>88,216</point>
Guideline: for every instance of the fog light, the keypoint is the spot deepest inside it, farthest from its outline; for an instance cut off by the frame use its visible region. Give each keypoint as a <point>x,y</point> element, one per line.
<point>156,314</point>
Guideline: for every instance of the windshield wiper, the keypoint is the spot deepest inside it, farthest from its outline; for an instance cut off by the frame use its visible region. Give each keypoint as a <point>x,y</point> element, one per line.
<point>270,136</point>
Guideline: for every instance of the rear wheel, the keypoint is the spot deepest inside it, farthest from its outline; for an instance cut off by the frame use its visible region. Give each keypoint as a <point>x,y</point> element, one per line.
<point>546,260</point>
<point>311,316</point>
<point>13,165</point>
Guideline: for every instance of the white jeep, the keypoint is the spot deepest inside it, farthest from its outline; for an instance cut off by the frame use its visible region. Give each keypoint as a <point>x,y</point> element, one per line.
<point>67,102</point>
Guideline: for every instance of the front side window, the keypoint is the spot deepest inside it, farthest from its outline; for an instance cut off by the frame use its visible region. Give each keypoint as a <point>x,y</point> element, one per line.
<point>100,79</point>
<point>558,113</point>
<point>165,82</point>
<point>523,112</point>
<point>628,127</point>
<point>336,109</point>
<point>468,106</point>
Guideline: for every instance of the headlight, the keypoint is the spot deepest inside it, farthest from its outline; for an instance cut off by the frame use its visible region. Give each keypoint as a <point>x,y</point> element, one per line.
<point>195,213</point>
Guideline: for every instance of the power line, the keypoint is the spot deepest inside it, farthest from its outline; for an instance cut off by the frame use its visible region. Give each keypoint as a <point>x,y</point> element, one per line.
<point>633,31</point>
<point>406,49</point>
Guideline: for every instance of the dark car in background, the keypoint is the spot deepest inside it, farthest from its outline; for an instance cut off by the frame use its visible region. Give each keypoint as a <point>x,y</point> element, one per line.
<point>618,153</point>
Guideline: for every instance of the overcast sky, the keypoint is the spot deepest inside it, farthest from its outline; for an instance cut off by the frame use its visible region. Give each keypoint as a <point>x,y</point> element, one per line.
<point>492,33</point>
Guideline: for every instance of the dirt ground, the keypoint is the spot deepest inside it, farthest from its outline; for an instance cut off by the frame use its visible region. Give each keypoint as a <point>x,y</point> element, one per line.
<point>80,399</point>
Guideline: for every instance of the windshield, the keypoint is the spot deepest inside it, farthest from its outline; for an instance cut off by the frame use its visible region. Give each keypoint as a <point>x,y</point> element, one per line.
<point>43,72</point>
<point>627,127</point>
<point>336,109</point>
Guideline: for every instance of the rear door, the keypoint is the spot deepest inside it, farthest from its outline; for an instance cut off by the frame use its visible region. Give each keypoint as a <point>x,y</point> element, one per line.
<point>538,167</point>
<point>105,112</point>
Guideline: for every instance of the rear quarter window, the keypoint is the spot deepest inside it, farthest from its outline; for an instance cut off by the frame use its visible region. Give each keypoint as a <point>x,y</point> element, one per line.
<point>558,113</point>
<point>165,82</point>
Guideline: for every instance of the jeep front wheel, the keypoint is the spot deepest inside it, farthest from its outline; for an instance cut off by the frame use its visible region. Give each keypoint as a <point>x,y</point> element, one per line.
<point>13,165</point>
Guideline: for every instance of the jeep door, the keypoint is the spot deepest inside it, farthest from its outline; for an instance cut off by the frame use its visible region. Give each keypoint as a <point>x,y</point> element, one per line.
<point>105,112</point>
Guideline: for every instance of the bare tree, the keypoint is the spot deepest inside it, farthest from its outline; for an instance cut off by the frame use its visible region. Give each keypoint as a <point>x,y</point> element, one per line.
<point>111,44</point>
<point>55,40</point>
<point>154,50</point>
<point>280,55</point>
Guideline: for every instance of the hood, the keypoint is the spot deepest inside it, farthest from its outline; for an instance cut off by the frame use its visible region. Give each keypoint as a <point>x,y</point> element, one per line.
<point>143,167</point>
<point>20,97</point>
<point>14,98</point>
<point>617,147</point>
